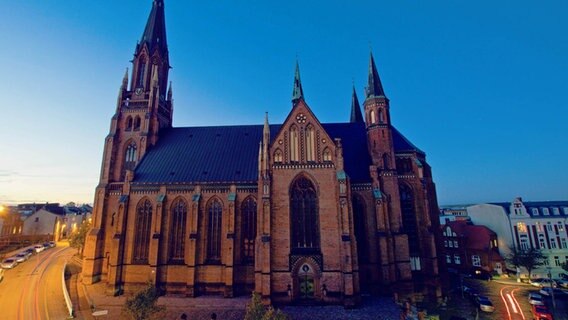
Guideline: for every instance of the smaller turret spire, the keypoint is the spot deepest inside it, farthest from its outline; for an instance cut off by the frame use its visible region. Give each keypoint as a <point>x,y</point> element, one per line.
<point>125,80</point>
<point>374,87</point>
<point>297,92</point>
<point>356,115</point>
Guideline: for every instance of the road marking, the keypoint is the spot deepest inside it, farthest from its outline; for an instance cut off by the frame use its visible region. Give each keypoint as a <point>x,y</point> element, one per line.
<point>505,302</point>
<point>512,303</point>
<point>517,302</point>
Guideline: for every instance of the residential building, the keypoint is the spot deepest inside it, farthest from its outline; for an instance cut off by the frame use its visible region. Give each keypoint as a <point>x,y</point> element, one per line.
<point>532,224</point>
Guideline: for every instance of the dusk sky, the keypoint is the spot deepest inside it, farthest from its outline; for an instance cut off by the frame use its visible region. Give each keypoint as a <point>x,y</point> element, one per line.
<point>480,86</point>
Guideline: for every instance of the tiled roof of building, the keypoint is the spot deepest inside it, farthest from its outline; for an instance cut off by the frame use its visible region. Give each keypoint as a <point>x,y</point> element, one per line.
<point>229,154</point>
<point>536,208</point>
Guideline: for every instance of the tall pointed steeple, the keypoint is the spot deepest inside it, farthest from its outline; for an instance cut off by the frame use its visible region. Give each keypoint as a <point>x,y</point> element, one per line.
<point>356,115</point>
<point>374,87</point>
<point>297,92</point>
<point>155,32</point>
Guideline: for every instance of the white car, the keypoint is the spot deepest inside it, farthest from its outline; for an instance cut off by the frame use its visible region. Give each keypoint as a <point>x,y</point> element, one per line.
<point>536,299</point>
<point>20,257</point>
<point>543,282</point>
<point>9,263</point>
<point>39,248</point>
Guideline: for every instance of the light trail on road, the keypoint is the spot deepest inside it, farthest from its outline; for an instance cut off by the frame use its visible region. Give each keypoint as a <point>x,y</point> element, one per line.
<point>517,302</point>
<point>511,303</point>
<point>505,302</point>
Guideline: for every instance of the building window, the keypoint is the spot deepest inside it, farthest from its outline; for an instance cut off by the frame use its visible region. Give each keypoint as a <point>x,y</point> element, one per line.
<point>457,259</point>
<point>326,155</point>
<point>545,211</point>
<point>552,243</point>
<point>448,259</point>
<point>455,244</point>
<point>248,210</point>
<point>555,211</point>
<point>137,122</point>
<point>541,242</point>
<point>545,261</point>
<point>215,217</point>
<point>278,156</point>
<point>177,231</point>
<point>539,227</point>
<point>386,162</point>
<point>130,156</point>
<point>142,234</point>
<point>446,243</point>
<point>563,242</point>
<point>524,243</point>
<point>560,226</point>
<point>556,261</point>
<point>310,144</point>
<point>373,117</point>
<point>381,116</point>
<point>522,227</point>
<point>565,209</point>
<point>415,264</point>
<point>294,147</point>
<point>549,226</point>
<point>534,211</point>
<point>128,123</point>
<point>476,261</point>
<point>359,214</point>
<point>451,244</point>
<point>304,216</point>
<point>409,217</point>
<point>141,72</point>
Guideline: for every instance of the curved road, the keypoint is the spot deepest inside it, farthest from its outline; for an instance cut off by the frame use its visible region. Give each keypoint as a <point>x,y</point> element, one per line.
<point>512,306</point>
<point>33,289</point>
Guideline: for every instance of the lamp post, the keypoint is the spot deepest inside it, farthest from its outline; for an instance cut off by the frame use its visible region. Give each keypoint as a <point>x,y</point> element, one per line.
<point>551,287</point>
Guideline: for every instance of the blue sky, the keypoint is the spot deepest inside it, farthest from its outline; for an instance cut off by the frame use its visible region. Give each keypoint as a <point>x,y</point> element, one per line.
<point>480,86</point>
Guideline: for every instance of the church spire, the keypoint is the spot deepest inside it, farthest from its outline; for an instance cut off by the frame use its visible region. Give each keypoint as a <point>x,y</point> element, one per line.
<point>374,87</point>
<point>297,92</point>
<point>356,115</point>
<point>155,32</point>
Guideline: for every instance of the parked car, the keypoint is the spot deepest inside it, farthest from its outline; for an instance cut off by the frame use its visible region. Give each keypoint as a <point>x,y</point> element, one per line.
<point>46,245</point>
<point>9,263</point>
<point>535,299</point>
<point>541,312</point>
<point>51,244</point>
<point>484,304</point>
<point>562,283</point>
<point>31,251</point>
<point>543,282</point>
<point>39,248</point>
<point>27,253</point>
<point>20,257</point>
<point>557,292</point>
<point>470,292</point>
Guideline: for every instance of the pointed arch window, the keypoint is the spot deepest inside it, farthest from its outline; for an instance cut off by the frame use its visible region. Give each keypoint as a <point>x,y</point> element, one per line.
<point>177,231</point>
<point>304,217</point>
<point>141,72</point>
<point>386,162</point>
<point>248,228</point>
<point>215,215</point>
<point>142,227</point>
<point>326,155</point>
<point>381,116</point>
<point>310,144</point>
<point>278,156</point>
<point>409,218</point>
<point>294,146</point>
<point>137,122</point>
<point>360,226</point>
<point>131,155</point>
<point>373,117</point>
<point>129,123</point>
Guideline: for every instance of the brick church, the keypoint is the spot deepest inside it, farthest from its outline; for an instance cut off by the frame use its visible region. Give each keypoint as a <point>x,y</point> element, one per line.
<point>301,211</point>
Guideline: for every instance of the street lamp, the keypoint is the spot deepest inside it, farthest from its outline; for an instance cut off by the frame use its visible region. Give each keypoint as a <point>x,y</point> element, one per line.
<point>551,287</point>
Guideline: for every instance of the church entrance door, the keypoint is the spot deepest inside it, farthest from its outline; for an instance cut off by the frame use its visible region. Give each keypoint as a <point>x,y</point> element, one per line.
<point>306,283</point>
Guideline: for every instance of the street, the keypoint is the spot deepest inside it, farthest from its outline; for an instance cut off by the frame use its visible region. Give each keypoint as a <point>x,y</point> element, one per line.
<point>509,298</point>
<point>33,289</point>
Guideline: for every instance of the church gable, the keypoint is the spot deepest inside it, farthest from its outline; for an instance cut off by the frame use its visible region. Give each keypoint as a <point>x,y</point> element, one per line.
<point>302,139</point>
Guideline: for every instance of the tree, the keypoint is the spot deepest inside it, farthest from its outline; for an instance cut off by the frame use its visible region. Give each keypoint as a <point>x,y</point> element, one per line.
<point>77,239</point>
<point>142,305</point>
<point>530,259</point>
<point>257,311</point>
